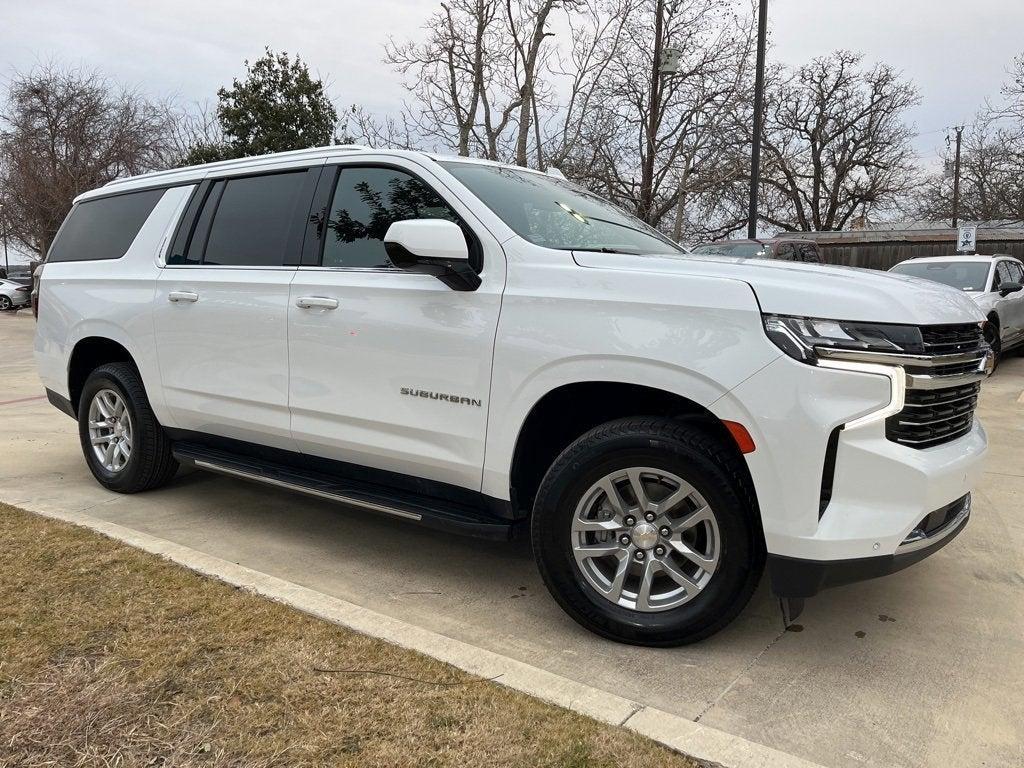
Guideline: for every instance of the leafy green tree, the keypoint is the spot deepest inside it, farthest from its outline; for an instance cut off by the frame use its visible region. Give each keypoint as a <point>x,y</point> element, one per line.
<point>277,107</point>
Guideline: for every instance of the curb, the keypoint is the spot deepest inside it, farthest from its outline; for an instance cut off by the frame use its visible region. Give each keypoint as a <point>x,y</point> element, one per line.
<point>708,745</point>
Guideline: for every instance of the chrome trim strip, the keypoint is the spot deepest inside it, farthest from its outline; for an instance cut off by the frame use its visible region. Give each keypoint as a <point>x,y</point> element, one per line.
<point>942,403</point>
<point>916,381</point>
<point>892,358</point>
<point>912,543</point>
<point>308,491</point>
<point>946,437</point>
<point>944,420</point>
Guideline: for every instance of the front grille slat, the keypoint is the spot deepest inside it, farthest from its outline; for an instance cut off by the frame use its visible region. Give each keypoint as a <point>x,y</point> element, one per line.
<point>935,416</point>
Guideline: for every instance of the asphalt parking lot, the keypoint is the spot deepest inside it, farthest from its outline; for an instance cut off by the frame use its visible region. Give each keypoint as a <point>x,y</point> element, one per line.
<point>920,668</point>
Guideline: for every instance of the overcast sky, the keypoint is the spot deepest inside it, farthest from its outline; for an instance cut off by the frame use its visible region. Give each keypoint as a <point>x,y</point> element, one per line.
<point>956,53</point>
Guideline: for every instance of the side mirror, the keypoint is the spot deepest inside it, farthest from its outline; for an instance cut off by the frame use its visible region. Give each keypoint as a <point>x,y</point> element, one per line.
<point>1005,289</point>
<point>432,247</point>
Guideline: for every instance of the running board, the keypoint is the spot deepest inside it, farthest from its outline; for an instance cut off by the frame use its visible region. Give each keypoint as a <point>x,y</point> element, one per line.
<point>433,513</point>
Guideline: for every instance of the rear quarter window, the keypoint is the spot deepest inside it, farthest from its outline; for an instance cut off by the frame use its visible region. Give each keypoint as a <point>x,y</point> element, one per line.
<point>103,228</point>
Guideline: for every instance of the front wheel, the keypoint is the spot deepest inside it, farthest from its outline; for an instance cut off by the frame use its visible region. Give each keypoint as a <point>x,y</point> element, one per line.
<point>644,532</point>
<point>993,335</point>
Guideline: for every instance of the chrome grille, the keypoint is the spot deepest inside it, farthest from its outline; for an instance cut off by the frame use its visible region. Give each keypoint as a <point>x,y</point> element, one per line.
<point>942,387</point>
<point>934,416</point>
<point>944,339</point>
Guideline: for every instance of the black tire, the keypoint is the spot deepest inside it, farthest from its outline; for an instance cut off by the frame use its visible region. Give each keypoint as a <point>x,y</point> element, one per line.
<point>713,468</point>
<point>151,463</point>
<point>5,303</point>
<point>993,333</point>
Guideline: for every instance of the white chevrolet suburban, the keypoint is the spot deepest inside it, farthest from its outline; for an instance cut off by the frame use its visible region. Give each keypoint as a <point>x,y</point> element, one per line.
<point>482,348</point>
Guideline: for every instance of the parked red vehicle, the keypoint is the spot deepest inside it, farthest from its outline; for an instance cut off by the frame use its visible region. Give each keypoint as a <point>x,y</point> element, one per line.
<point>781,248</point>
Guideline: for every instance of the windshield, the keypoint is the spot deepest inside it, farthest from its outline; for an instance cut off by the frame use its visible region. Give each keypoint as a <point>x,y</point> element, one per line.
<point>740,250</point>
<point>555,213</point>
<point>965,275</point>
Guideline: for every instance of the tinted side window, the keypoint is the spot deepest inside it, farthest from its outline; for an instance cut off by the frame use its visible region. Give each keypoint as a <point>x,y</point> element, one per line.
<point>1002,273</point>
<point>104,228</point>
<point>252,219</point>
<point>1016,273</point>
<point>366,202</point>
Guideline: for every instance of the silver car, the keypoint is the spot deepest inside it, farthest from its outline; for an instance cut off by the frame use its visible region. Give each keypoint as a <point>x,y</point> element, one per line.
<point>994,282</point>
<point>13,295</point>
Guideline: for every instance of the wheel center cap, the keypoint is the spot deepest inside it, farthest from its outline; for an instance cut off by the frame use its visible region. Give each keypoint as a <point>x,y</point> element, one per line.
<point>644,535</point>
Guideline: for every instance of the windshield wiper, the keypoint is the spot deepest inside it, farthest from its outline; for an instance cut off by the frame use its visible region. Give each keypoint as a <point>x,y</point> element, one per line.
<point>602,249</point>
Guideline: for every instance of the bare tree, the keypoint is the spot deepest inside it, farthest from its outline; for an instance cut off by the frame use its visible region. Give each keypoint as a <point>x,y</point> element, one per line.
<point>192,131</point>
<point>65,131</point>
<point>835,143</point>
<point>459,79</point>
<point>991,165</point>
<point>667,146</point>
<point>991,178</point>
<point>526,23</point>
<point>660,144</point>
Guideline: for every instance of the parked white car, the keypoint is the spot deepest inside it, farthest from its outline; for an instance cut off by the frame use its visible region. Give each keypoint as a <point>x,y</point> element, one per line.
<point>483,348</point>
<point>13,295</point>
<point>995,283</point>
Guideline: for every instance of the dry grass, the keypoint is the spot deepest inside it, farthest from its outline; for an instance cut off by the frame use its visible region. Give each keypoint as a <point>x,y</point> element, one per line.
<point>113,657</point>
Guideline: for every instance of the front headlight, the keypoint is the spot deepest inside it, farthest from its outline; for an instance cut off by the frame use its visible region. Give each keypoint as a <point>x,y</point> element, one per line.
<point>800,337</point>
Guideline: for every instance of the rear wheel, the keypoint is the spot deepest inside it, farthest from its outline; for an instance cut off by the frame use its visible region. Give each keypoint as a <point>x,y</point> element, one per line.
<point>5,303</point>
<point>644,532</point>
<point>124,445</point>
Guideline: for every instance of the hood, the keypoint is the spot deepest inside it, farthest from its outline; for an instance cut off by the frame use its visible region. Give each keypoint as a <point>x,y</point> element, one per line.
<point>813,290</point>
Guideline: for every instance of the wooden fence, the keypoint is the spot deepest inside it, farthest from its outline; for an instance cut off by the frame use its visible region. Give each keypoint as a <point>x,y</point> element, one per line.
<point>882,250</point>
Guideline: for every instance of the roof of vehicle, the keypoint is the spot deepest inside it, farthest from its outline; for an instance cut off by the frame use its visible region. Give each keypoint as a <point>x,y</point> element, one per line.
<point>981,257</point>
<point>189,173</point>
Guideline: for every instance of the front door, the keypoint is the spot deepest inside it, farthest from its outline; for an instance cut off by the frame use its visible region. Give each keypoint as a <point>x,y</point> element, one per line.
<point>221,308</point>
<point>1014,302</point>
<point>1011,306</point>
<point>390,369</point>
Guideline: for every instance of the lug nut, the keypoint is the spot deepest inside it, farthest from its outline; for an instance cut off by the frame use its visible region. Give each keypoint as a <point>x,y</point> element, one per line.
<point>640,555</point>
<point>630,520</point>
<point>624,541</point>
<point>665,531</point>
<point>649,517</point>
<point>659,551</point>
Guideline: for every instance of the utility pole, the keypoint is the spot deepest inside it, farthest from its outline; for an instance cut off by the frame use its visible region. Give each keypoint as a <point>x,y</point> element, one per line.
<point>654,105</point>
<point>3,223</point>
<point>755,151</point>
<point>956,178</point>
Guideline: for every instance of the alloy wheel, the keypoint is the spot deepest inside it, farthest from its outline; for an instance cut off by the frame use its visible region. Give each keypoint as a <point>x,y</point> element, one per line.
<point>110,430</point>
<point>645,539</point>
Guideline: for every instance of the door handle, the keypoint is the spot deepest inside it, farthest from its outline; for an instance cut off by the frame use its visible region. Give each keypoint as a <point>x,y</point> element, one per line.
<point>316,302</point>
<point>187,296</point>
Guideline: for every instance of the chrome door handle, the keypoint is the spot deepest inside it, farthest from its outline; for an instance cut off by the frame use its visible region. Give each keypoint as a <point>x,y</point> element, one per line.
<point>188,296</point>
<point>316,302</point>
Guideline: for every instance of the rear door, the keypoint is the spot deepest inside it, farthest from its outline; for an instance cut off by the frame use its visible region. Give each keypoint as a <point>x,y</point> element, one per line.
<point>391,369</point>
<point>221,305</point>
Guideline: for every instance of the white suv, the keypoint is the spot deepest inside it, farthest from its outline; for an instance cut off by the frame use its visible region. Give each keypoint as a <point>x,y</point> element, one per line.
<point>483,348</point>
<point>995,283</point>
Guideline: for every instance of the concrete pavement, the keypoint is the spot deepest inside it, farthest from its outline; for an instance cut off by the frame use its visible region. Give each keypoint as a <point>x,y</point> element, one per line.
<point>920,668</point>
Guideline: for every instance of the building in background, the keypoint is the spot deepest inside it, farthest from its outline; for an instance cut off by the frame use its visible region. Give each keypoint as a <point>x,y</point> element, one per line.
<point>880,246</point>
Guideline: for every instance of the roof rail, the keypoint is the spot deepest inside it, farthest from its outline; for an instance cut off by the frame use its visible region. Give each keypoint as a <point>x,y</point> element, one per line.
<point>242,160</point>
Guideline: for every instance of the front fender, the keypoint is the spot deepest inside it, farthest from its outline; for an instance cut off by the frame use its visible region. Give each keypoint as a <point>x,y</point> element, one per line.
<point>688,336</point>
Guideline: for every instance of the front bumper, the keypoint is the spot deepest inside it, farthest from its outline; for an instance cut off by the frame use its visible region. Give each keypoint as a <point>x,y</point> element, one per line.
<point>831,487</point>
<point>796,578</point>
